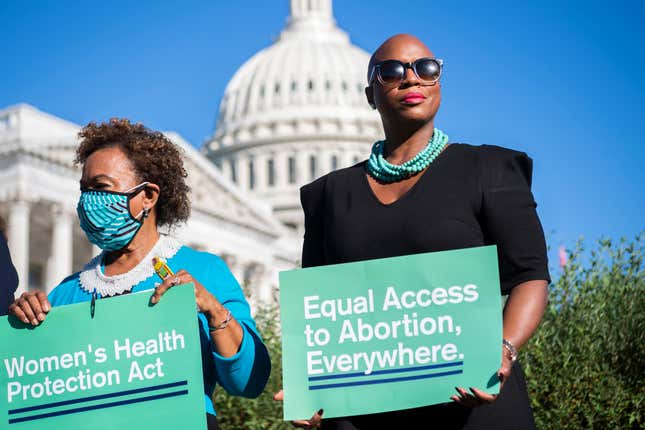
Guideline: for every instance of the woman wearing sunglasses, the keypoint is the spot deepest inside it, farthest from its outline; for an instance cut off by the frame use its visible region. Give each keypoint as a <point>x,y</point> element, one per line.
<point>418,193</point>
<point>134,182</point>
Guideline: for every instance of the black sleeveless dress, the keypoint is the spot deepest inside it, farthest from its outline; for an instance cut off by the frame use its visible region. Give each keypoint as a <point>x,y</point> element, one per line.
<point>469,196</point>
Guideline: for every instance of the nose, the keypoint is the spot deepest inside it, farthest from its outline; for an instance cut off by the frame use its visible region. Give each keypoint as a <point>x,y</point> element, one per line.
<point>410,78</point>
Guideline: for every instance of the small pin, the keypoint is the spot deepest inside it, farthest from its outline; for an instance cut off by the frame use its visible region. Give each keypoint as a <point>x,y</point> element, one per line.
<point>93,303</point>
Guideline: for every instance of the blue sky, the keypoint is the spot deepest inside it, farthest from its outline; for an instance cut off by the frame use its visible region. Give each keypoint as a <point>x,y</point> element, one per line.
<point>562,81</point>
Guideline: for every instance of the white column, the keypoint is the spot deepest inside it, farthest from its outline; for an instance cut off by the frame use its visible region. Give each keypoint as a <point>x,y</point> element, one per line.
<point>262,172</point>
<point>238,270</point>
<point>61,257</point>
<point>345,159</point>
<point>262,283</point>
<point>242,171</point>
<point>302,168</point>
<point>281,170</point>
<point>225,167</point>
<point>324,162</point>
<point>18,240</point>
<point>256,288</point>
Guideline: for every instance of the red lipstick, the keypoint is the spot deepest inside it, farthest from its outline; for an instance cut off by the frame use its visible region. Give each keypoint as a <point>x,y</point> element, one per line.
<point>413,98</point>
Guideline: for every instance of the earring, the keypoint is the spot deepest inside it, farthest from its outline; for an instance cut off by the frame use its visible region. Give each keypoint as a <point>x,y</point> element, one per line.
<point>146,212</point>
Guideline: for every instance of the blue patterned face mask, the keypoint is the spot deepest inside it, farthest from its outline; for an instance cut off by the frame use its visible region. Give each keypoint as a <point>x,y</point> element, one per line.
<point>105,217</point>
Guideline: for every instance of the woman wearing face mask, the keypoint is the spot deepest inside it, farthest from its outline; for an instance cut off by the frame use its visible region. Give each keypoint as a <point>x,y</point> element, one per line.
<point>418,193</point>
<point>133,182</point>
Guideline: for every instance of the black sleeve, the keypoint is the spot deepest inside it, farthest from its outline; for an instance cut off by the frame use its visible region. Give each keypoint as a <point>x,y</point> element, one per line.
<point>509,218</point>
<point>8,277</point>
<point>312,198</point>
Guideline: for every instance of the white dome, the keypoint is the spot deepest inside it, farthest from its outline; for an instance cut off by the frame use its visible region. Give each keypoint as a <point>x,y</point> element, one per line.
<point>295,110</point>
<point>312,73</point>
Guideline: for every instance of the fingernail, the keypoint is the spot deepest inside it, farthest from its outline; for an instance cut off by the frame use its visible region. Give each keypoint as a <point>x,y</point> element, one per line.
<point>153,300</point>
<point>41,316</point>
<point>46,308</point>
<point>25,320</point>
<point>34,321</point>
<point>320,411</point>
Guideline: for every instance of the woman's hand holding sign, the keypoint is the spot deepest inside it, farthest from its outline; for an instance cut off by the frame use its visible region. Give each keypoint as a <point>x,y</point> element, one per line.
<point>31,308</point>
<point>206,302</point>
<point>478,397</point>
<point>522,314</point>
<point>226,332</point>
<point>312,423</point>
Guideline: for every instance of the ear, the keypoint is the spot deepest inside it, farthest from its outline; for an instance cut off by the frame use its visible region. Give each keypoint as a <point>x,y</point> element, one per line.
<point>150,196</point>
<point>369,94</point>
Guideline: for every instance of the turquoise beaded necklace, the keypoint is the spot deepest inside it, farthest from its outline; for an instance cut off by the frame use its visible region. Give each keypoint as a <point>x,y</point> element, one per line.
<point>380,169</point>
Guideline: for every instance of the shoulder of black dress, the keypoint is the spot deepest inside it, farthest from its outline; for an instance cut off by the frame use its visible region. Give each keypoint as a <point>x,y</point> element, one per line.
<point>498,151</point>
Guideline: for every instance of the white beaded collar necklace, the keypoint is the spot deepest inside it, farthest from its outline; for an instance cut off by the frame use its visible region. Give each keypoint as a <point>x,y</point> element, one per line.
<point>93,279</point>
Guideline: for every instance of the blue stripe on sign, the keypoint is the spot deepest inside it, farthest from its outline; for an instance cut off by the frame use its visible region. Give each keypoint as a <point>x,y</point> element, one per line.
<point>383,372</point>
<point>99,397</point>
<point>103,406</point>
<point>383,381</point>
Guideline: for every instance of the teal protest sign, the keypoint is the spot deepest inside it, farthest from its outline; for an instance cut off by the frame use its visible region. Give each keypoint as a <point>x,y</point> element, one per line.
<point>389,334</point>
<point>131,366</point>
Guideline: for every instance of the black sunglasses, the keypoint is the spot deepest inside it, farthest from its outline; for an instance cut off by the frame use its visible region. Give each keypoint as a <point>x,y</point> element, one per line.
<point>392,72</point>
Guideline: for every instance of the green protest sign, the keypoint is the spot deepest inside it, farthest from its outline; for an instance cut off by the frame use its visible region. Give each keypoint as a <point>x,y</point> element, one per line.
<point>131,366</point>
<point>389,334</point>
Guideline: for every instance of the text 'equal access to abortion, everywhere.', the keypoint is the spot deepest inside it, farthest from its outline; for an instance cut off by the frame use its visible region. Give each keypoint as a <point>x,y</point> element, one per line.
<point>389,334</point>
<point>408,325</point>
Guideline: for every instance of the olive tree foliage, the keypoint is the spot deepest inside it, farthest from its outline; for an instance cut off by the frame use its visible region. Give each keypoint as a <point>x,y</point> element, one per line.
<point>585,363</point>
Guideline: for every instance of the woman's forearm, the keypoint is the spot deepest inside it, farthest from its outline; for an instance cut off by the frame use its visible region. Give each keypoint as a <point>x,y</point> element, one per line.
<point>523,311</point>
<point>226,340</point>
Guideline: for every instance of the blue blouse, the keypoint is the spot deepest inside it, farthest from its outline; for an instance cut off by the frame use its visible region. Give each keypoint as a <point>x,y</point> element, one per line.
<point>244,374</point>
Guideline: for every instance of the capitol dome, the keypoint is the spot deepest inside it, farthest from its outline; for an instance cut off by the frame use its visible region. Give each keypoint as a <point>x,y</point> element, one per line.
<point>295,111</point>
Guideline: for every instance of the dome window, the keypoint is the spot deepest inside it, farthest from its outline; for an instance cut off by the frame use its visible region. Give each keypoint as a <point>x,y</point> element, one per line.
<point>294,86</point>
<point>328,85</point>
<point>271,172</point>
<point>251,175</point>
<point>262,91</point>
<point>233,170</point>
<point>334,162</point>
<point>344,86</point>
<point>276,89</point>
<point>310,85</point>
<point>292,170</point>
<point>313,167</point>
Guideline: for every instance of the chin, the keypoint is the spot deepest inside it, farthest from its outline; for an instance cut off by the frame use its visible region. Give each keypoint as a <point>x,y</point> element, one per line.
<point>416,115</point>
